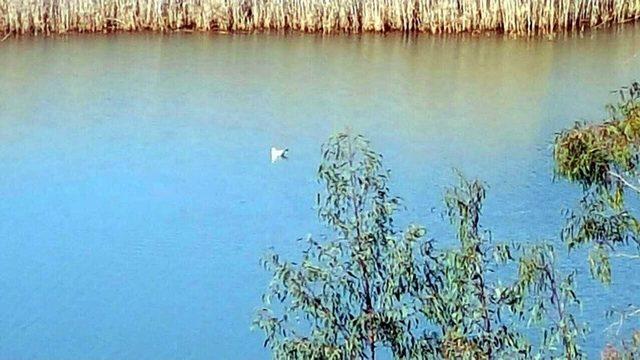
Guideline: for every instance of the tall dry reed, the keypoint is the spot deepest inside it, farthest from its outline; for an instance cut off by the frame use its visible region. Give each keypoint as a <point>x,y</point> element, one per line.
<point>327,16</point>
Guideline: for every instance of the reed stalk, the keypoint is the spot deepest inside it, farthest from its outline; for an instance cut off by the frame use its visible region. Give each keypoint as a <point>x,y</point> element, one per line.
<point>326,16</point>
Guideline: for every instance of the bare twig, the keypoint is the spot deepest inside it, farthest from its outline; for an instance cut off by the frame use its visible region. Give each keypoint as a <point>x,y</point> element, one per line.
<point>623,316</point>
<point>5,37</point>
<point>626,256</point>
<point>625,182</point>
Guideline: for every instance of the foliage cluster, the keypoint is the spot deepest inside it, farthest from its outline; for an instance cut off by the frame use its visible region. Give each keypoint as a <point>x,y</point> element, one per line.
<point>604,159</point>
<point>369,288</point>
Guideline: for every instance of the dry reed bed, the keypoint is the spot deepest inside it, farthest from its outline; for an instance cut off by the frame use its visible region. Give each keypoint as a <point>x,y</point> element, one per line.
<point>327,16</point>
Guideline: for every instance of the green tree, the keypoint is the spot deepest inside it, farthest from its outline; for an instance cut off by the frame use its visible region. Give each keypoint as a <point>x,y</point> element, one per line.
<point>487,317</point>
<point>604,158</point>
<point>353,289</point>
<point>368,286</point>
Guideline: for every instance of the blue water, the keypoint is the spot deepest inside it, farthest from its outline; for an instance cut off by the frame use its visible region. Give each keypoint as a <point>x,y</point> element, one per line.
<point>137,195</point>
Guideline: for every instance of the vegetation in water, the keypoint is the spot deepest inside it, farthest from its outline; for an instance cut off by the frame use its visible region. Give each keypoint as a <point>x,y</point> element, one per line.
<point>369,288</point>
<point>327,16</point>
<point>604,160</point>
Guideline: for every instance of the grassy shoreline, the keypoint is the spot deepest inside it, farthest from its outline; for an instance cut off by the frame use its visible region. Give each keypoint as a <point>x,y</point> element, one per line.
<point>522,17</point>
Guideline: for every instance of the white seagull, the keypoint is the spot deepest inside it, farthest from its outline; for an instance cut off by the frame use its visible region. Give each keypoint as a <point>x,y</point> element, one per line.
<point>277,154</point>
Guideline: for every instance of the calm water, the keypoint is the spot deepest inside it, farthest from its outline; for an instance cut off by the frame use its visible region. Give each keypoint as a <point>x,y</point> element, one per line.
<point>137,194</point>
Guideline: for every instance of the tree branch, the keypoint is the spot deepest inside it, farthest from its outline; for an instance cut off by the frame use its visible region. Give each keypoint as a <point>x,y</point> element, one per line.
<point>625,181</point>
<point>626,256</point>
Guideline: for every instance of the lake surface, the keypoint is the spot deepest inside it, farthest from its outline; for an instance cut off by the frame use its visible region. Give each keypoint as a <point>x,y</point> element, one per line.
<point>137,195</point>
